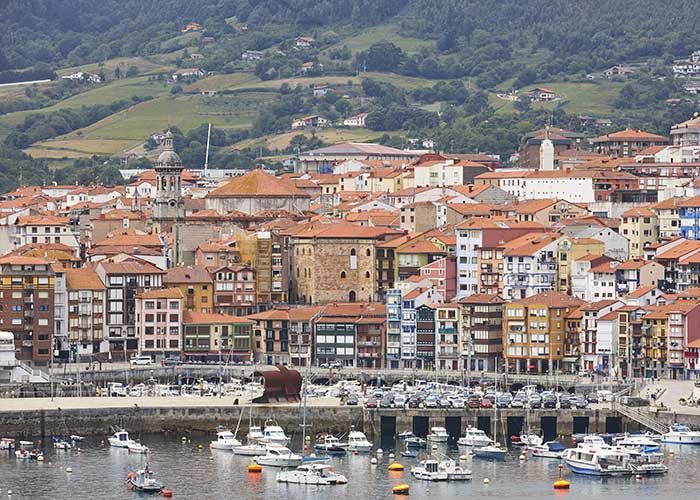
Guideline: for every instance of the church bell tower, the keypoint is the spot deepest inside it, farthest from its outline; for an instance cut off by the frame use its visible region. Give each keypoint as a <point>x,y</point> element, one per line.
<point>169,207</point>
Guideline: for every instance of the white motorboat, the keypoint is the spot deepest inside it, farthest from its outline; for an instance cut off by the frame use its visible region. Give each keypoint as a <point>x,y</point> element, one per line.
<point>357,441</point>
<point>455,472</point>
<point>120,439</point>
<point>681,434</point>
<point>429,470</point>
<point>491,452</point>
<point>23,454</point>
<point>330,444</point>
<point>251,450</point>
<point>317,474</point>
<point>550,449</point>
<point>136,447</point>
<point>279,456</point>
<point>144,480</point>
<point>474,437</point>
<point>405,435</point>
<point>75,437</point>
<point>274,434</point>
<point>255,434</point>
<point>530,440</point>
<point>438,435</point>
<point>598,460</point>
<point>637,442</point>
<point>225,440</point>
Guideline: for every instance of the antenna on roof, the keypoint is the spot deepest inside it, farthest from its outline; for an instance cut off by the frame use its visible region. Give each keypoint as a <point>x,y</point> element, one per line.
<point>206,156</point>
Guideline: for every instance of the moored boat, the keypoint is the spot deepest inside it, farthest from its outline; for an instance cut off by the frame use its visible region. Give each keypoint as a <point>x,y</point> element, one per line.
<point>251,450</point>
<point>330,444</point>
<point>279,456</point>
<point>136,447</point>
<point>7,444</point>
<point>598,461</point>
<point>429,470</point>
<point>438,435</point>
<point>416,442</point>
<point>491,452</point>
<point>357,441</point>
<point>316,474</point>
<point>455,472</point>
<point>225,440</point>
<point>144,480</point>
<point>474,437</point>
<point>637,441</point>
<point>550,449</point>
<point>120,439</point>
<point>681,434</point>
<point>274,434</point>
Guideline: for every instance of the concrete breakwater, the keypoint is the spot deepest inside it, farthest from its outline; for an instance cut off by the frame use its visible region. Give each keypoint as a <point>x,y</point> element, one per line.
<point>203,416</point>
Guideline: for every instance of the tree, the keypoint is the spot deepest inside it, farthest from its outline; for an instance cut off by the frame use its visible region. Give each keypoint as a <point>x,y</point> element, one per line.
<point>117,73</point>
<point>132,71</point>
<point>383,56</point>
<point>176,89</point>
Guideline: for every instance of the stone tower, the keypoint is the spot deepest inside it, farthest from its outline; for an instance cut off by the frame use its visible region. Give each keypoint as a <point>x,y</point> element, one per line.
<point>169,206</point>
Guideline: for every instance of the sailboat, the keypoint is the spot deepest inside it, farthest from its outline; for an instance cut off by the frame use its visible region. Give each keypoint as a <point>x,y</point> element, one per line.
<point>313,457</point>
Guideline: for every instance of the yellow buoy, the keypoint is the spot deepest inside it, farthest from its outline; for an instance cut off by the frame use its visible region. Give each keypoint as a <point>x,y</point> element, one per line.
<point>486,480</point>
<point>400,489</point>
<point>561,484</point>
<point>255,468</point>
<point>395,466</point>
<point>671,453</point>
<point>199,446</point>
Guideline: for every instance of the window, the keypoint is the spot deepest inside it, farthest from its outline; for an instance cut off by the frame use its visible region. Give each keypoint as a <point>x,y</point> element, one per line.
<point>342,274</point>
<point>174,305</point>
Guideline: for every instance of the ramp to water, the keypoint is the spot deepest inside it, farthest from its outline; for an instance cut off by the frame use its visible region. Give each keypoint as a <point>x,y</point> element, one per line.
<point>515,426</point>
<point>484,423</point>
<point>613,425</point>
<point>387,426</point>
<point>421,425</point>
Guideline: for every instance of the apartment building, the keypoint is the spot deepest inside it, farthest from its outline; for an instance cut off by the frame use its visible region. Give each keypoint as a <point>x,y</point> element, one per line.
<point>159,322</point>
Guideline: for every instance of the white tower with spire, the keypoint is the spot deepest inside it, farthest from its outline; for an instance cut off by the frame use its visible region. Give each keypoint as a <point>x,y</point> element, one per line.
<point>169,206</point>
<point>546,152</point>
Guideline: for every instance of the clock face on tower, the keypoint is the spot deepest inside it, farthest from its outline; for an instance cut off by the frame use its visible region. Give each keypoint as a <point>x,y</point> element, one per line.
<point>172,203</point>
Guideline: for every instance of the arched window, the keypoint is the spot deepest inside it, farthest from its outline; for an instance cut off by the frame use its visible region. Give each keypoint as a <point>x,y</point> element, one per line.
<point>352,296</point>
<point>342,274</point>
<point>369,252</point>
<point>366,274</point>
<point>353,252</point>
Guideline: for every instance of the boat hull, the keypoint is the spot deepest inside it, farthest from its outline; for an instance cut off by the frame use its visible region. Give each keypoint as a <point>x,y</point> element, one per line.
<point>248,452</point>
<point>680,439</point>
<point>592,470</point>
<point>424,475</point>
<point>473,442</point>
<point>279,462</point>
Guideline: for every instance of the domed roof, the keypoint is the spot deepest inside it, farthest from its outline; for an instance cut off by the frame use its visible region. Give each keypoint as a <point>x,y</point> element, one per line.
<point>168,157</point>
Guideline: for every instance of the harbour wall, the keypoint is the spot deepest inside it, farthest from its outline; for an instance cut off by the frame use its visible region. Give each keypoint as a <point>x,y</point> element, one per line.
<point>376,423</point>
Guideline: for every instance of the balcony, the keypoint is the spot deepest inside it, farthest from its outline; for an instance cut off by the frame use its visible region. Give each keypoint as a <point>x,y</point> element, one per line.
<point>447,330</point>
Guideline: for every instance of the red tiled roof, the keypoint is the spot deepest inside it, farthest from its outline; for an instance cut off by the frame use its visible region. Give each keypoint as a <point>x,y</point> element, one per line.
<point>257,183</point>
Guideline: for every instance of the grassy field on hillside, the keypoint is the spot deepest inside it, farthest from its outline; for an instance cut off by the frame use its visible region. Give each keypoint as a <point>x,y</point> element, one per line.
<point>377,34</point>
<point>330,135</point>
<point>129,128</point>
<point>144,65</point>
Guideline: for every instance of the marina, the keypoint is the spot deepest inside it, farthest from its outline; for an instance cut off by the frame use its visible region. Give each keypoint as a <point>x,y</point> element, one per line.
<point>190,470</point>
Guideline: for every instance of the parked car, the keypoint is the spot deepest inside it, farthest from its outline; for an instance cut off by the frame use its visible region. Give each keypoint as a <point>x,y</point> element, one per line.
<point>414,403</point>
<point>503,402</point>
<point>581,402</point>
<point>400,401</point>
<point>565,401</point>
<point>371,403</point>
<point>141,360</point>
<point>535,401</point>
<point>474,402</point>
<point>486,403</point>
<point>592,398</point>
<point>352,400</point>
<point>172,361</point>
<point>549,401</point>
<point>517,402</point>
<point>385,403</point>
<point>431,402</point>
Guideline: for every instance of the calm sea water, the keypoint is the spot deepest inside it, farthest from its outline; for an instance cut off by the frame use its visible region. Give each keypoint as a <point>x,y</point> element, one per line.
<point>99,472</point>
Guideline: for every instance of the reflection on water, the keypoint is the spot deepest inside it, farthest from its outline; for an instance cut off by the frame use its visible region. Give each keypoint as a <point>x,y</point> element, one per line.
<point>193,473</point>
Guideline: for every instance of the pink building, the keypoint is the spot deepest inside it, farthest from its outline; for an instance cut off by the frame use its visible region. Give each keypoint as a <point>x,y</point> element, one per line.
<point>159,322</point>
<point>443,274</point>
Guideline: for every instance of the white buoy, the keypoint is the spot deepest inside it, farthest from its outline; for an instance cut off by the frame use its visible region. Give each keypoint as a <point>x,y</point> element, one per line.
<point>391,455</point>
<point>463,458</point>
<point>373,461</point>
<point>434,447</point>
<point>486,480</point>
<point>9,493</point>
<point>40,458</point>
<point>380,451</point>
<point>69,470</point>
<point>184,438</point>
<point>211,459</point>
<point>522,456</point>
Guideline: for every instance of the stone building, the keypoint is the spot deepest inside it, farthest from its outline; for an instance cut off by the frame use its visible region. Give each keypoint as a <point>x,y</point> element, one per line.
<point>335,262</point>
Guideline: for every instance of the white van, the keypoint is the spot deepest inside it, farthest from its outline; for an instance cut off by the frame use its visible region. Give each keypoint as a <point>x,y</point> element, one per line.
<point>141,360</point>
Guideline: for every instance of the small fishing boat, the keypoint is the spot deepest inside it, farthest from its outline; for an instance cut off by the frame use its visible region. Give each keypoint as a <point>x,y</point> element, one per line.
<point>357,441</point>
<point>550,449</point>
<point>7,444</point>
<point>405,435</point>
<point>455,472</point>
<point>34,454</point>
<point>313,458</point>
<point>529,440</point>
<point>136,447</point>
<point>474,437</point>
<point>491,452</point>
<point>429,470</point>
<point>225,440</point>
<point>416,442</point>
<point>75,437</point>
<point>274,434</point>
<point>438,435</point>
<point>120,439</point>
<point>279,456</point>
<point>330,444</point>
<point>681,434</point>
<point>409,453</point>
<point>144,480</point>
<point>317,474</point>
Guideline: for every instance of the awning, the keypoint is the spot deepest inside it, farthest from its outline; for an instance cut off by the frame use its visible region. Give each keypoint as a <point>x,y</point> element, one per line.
<point>570,359</point>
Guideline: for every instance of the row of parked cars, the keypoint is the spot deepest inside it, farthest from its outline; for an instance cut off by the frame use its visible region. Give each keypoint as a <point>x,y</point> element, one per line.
<point>474,400</point>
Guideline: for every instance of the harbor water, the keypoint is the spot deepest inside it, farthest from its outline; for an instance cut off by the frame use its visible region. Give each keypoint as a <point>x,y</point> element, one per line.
<point>194,472</point>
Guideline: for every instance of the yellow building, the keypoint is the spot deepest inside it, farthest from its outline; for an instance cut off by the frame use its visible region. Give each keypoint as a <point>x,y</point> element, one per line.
<point>570,250</point>
<point>535,332</point>
<point>196,285</point>
<point>641,227</point>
